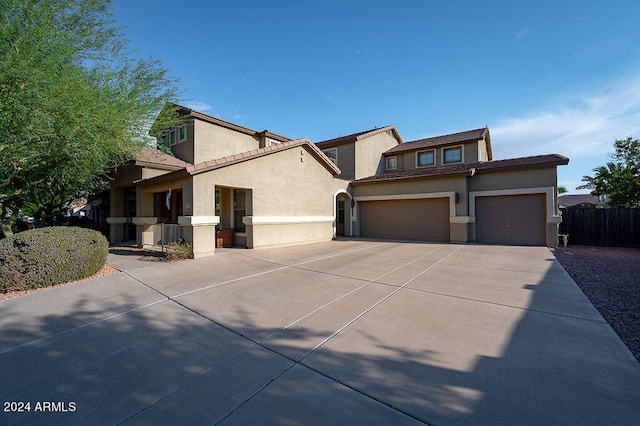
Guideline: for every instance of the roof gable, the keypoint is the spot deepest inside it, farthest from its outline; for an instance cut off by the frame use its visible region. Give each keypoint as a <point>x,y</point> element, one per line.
<point>445,140</point>
<point>352,138</point>
<point>261,152</point>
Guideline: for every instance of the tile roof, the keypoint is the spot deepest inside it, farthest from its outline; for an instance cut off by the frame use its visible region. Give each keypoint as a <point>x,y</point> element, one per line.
<point>437,141</point>
<point>342,140</point>
<point>250,155</point>
<point>574,199</point>
<point>469,168</point>
<point>156,158</point>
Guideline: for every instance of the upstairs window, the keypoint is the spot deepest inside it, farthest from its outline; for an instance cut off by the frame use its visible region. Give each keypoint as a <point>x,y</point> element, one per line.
<point>425,158</point>
<point>391,163</point>
<point>182,134</point>
<point>172,138</point>
<point>452,155</point>
<point>332,154</point>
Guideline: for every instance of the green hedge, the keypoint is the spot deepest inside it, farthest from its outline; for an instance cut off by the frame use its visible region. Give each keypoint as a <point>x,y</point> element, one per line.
<point>48,256</point>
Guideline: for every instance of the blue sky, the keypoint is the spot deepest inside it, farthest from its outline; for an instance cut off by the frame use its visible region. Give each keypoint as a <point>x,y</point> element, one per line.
<point>546,76</point>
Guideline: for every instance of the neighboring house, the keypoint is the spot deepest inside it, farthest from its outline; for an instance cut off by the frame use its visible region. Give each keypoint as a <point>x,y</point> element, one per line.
<point>274,191</point>
<point>568,200</point>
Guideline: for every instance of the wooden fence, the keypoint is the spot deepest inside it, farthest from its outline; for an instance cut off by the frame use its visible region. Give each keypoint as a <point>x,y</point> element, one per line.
<point>601,227</point>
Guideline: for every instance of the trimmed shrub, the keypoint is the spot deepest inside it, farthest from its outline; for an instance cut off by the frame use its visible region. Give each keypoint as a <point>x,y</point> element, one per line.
<point>178,250</point>
<point>48,256</point>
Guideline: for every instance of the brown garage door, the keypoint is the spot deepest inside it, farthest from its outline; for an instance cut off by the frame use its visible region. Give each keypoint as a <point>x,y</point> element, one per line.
<point>512,219</point>
<point>422,220</point>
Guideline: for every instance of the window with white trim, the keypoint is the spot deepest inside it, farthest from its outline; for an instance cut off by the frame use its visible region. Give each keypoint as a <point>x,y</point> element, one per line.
<point>391,163</point>
<point>452,155</point>
<point>332,154</point>
<point>172,137</point>
<point>425,158</point>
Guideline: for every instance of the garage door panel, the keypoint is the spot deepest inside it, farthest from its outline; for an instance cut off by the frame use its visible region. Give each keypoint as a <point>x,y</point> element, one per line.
<point>421,219</point>
<point>512,219</point>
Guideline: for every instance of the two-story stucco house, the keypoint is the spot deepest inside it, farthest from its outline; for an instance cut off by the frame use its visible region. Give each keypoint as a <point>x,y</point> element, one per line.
<point>449,189</point>
<point>273,191</point>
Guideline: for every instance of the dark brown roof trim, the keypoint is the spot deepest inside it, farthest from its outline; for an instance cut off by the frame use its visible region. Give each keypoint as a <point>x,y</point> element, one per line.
<point>343,140</point>
<point>469,169</point>
<point>232,126</point>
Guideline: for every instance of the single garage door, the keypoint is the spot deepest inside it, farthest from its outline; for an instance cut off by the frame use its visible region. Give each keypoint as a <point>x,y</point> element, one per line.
<point>421,220</point>
<point>512,220</point>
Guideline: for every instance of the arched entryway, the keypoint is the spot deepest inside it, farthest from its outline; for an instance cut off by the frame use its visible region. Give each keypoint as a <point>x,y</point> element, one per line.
<point>343,210</point>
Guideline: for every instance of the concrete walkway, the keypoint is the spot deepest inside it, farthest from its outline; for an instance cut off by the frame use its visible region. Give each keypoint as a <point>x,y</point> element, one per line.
<point>346,332</point>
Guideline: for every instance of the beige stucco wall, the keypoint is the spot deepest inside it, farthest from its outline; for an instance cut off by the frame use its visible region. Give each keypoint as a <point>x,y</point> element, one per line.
<point>184,150</point>
<point>368,159</point>
<point>408,161</point>
<point>347,161</point>
<point>211,142</point>
<point>292,197</point>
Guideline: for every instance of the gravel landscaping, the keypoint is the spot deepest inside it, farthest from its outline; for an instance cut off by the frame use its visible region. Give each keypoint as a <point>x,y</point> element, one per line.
<point>610,278</point>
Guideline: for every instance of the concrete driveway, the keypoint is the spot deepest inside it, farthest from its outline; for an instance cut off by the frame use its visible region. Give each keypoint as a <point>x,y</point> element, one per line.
<point>346,332</point>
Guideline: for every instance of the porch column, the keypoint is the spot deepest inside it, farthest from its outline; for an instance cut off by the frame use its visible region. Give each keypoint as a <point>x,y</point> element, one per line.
<point>116,228</point>
<point>200,231</point>
<point>144,232</point>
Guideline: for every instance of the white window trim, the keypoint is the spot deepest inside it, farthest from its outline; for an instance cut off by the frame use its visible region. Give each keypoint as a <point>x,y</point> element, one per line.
<point>461,147</point>
<point>427,165</point>
<point>386,163</point>
<point>178,134</point>
<point>326,152</point>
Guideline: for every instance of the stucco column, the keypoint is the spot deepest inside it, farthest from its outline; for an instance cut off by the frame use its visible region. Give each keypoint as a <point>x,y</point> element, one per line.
<point>144,230</point>
<point>116,228</point>
<point>200,231</point>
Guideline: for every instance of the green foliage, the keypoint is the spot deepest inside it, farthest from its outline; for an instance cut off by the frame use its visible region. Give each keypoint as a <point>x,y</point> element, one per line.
<point>48,256</point>
<point>178,250</point>
<point>73,101</point>
<point>619,179</point>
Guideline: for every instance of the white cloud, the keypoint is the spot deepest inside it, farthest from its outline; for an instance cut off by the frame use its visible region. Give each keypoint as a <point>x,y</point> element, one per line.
<point>199,106</point>
<point>579,126</point>
<point>523,32</point>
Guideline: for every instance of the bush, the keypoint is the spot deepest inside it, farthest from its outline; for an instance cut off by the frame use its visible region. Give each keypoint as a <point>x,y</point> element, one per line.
<point>177,250</point>
<point>48,256</point>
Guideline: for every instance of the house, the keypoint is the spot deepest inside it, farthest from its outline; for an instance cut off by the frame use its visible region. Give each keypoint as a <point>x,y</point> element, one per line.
<point>569,200</point>
<point>273,191</point>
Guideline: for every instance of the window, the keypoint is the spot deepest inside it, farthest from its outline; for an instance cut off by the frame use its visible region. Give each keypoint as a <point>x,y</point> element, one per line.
<point>425,158</point>
<point>182,133</point>
<point>391,163</point>
<point>172,137</point>
<point>239,209</point>
<point>452,155</point>
<point>332,154</point>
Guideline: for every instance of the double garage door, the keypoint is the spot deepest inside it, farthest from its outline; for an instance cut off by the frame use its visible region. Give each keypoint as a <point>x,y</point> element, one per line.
<point>510,220</point>
<point>421,219</point>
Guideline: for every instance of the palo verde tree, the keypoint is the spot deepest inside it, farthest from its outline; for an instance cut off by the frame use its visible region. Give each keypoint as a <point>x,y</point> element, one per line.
<point>74,102</point>
<point>620,178</point>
